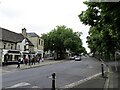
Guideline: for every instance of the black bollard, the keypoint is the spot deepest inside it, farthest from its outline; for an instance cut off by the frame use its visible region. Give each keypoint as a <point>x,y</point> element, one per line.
<point>102,70</point>
<point>53,81</point>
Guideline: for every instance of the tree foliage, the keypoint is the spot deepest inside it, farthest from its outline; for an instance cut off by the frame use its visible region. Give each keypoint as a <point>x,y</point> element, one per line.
<point>61,39</point>
<point>104,35</point>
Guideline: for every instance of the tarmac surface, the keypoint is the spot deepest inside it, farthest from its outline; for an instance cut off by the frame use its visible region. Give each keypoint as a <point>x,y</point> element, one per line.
<point>110,81</point>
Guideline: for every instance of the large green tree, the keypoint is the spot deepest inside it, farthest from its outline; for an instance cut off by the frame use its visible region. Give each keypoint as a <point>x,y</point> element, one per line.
<point>61,39</point>
<point>104,35</point>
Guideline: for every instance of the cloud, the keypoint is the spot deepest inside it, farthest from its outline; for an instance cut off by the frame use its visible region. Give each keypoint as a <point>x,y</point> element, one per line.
<point>41,16</point>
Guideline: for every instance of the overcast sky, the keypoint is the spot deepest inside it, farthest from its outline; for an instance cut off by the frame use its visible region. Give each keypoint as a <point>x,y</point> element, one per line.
<point>41,16</point>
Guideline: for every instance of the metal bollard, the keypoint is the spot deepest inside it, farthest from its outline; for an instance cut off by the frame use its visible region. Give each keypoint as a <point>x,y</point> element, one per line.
<point>53,81</point>
<point>102,70</point>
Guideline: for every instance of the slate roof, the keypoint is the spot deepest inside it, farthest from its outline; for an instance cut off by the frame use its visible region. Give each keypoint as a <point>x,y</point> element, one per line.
<point>10,36</point>
<point>32,34</point>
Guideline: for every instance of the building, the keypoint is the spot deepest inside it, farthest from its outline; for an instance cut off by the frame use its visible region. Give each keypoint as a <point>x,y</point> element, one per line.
<point>12,44</point>
<point>38,44</point>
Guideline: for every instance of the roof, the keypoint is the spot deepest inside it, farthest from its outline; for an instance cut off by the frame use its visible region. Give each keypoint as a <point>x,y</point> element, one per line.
<point>32,34</point>
<point>10,36</point>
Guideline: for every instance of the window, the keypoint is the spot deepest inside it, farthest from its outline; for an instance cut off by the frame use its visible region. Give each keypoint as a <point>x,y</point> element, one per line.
<point>4,45</point>
<point>8,45</point>
<point>39,41</point>
<point>42,43</point>
<point>19,47</point>
<point>24,47</point>
<point>11,46</point>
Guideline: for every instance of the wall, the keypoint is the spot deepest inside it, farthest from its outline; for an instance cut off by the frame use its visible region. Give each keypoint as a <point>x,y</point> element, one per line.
<point>37,44</point>
<point>34,42</point>
<point>41,44</point>
<point>1,46</point>
<point>31,48</point>
<point>0,57</point>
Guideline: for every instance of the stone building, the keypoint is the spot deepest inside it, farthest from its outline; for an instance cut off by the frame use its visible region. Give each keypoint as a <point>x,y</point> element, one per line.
<point>14,45</point>
<point>37,42</point>
<point>11,44</point>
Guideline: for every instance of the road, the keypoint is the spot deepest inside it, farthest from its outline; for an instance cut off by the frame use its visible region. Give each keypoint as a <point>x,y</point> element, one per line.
<point>66,73</point>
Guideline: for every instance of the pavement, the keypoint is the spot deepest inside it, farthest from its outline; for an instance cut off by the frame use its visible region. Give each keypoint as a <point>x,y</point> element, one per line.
<point>109,81</point>
<point>10,68</point>
<point>114,75</point>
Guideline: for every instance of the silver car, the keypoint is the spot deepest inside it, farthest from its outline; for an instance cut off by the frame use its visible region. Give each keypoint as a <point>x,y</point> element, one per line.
<point>78,58</point>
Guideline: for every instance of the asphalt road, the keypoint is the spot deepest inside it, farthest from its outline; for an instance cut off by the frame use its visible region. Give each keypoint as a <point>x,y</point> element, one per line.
<point>40,77</point>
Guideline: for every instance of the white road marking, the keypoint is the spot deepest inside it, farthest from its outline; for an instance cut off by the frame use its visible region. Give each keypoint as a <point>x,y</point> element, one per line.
<point>35,87</point>
<point>81,81</point>
<point>19,85</point>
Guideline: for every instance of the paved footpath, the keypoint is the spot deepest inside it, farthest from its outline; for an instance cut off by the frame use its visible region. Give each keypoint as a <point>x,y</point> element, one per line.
<point>111,81</point>
<point>114,76</point>
<point>10,68</point>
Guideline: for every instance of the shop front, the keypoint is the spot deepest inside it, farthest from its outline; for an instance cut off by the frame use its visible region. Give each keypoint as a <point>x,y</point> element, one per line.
<point>10,56</point>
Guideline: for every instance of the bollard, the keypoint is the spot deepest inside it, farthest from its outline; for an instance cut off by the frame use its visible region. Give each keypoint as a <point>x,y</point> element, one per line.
<point>53,81</point>
<point>102,70</point>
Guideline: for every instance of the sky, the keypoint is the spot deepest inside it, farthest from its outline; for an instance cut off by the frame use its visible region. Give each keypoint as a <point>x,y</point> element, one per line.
<point>42,16</point>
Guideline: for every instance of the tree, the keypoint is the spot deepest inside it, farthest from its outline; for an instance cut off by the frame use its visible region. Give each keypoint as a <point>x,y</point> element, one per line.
<point>104,35</point>
<point>61,39</point>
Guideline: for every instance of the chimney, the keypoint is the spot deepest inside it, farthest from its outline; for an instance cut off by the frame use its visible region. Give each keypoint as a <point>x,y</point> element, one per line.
<point>24,32</point>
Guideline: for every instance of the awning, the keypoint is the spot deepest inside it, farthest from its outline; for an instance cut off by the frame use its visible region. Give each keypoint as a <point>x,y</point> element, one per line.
<point>14,51</point>
<point>11,52</point>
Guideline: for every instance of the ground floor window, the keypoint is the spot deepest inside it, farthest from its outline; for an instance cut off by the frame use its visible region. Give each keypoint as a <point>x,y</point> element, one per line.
<point>16,57</point>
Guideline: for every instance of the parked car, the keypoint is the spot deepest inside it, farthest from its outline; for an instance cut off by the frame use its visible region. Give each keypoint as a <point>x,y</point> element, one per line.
<point>78,58</point>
